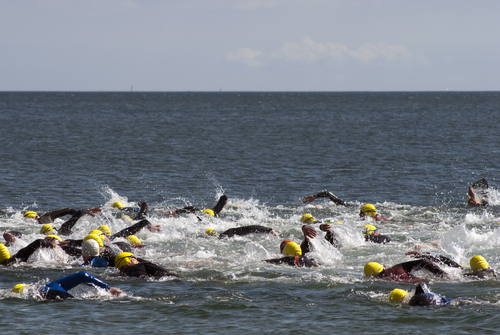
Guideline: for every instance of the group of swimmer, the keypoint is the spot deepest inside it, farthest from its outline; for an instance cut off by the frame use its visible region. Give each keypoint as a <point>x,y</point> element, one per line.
<point>97,248</point>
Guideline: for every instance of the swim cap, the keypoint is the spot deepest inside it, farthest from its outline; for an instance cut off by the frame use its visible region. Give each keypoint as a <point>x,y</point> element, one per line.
<point>126,218</point>
<point>211,232</point>
<point>99,233</point>
<point>94,237</point>
<point>30,214</point>
<point>397,295</point>
<point>4,252</point>
<point>123,259</point>
<point>478,263</point>
<point>47,229</point>
<point>373,268</point>
<point>19,288</point>
<point>369,229</point>
<point>369,209</point>
<point>134,240</point>
<point>90,248</point>
<point>117,204</point>
<point>307,218</point>
<point>290,248</point>
<point>54,236</point>
<point>105,229</point>
<point>209,212</point>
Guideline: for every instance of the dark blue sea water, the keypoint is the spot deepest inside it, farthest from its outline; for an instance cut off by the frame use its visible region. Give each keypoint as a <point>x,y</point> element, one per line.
<point>412,154</point>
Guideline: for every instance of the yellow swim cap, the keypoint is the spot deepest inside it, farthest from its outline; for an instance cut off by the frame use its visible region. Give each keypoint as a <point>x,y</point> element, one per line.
<point>30,214</point>
<point>307,218</point>
<point>4,252</point>
<point>369,209</point>
<point>117,204</point>
<point>54,236</point>
<point>373,268</point>
<point>397,295</point>
<point>123,259</point>
<point>126,218</point>
<point>99,233</point>
<point>94,237</point>
<point>134,240</point>
<point>209,212</point>
<point>211,232</point>
<point>105,229</point>
<point>289,248</point>
<point>369,229</point>
<point>47,229</point>
<point>478,262</point>
<point>19,288</point>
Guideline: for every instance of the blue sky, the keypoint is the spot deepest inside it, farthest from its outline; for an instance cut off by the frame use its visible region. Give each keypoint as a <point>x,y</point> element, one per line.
<point>250,45</point>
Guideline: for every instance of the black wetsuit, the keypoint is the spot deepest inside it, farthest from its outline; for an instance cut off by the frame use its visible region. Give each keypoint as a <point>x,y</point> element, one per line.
<point>241,231</point>
<point>440,259</point>
<point>51,216</point>
<point>294,261</point>
<point>191,209</point>
<point>146,269</point>
<point>424,297</point>
<point>23,254</point>
<point>131,230</point>
<point>377,238</point>
<point>332,197</point>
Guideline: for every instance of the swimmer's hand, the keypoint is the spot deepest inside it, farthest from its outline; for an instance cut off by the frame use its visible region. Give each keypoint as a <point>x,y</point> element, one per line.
<point>94,210</point>
<point>325,227</point>
<point>9,237</point>
<point>309,198</point>
<point>414,254</point>
<point>309,232</point>
<point>115,291</point>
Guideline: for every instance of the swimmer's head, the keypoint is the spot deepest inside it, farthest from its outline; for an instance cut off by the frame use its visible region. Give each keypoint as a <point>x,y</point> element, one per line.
<point>99,233</point>
<point>105,229</point>
<point>54,238</point>
<point>19,288</point>
<point>30,214</point>
<point>369,229</point>
<point>397,295</point>
<point>290,248</point>
<point>47,229</point>
<point>90,248</point>
<point>209,212</point>
<point>123,259</point>
<point>4,252</point>
<point>126,218</point>
<point>134,241</point>
<point>372,269</point>
<point>368,209</point>
<point>117,204</point>
<point>307,218</point>
<point>211,232</point>
<point>478,263</point>
<point>94,237</point>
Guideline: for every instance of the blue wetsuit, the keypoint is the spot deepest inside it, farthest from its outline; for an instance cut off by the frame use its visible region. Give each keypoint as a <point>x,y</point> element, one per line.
<point>58,289</point>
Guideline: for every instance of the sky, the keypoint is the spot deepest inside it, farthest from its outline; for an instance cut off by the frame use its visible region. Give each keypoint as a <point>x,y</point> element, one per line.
<point>250,45</point>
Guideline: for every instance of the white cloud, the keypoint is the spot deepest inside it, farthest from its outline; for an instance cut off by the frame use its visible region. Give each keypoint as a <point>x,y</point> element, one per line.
<point>245,56</point>
<point>309,51</point>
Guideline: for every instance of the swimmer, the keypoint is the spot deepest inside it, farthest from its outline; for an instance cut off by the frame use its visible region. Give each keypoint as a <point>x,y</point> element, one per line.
<point>325,194</point>
<point>480,268</point>
<point>58,289</point>
<point>141,210</point>
<point>242,231</point>
<point>131,266</point>
<point>371,211</point>
<point>23,254</point>
<point>401,272</point>
<point>293,256</point>
<point>372,234</point>
<point>436,259</point>
<point>191,209</point>
<point>66,227</point>
<point>309,232</point>
<point>473,199</point>
<point>422,297</point>
<point>50,217</point>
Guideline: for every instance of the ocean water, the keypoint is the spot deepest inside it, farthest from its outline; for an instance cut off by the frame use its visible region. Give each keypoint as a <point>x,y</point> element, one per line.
<point>412,154</point>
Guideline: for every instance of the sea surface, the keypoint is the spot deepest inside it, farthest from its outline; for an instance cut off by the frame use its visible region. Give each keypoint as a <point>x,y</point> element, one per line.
<point>411,154</point>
